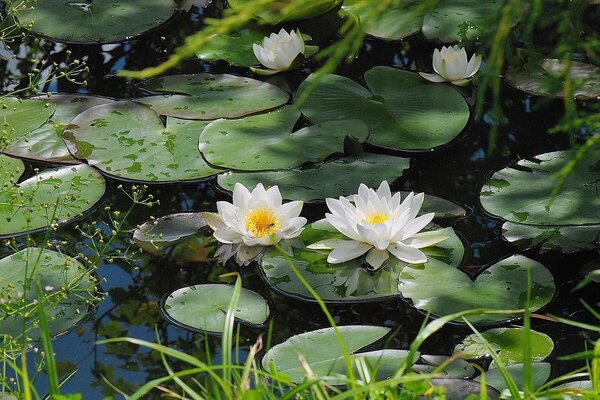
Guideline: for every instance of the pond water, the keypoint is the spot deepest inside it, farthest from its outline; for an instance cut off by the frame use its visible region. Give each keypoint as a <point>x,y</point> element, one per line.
<point>454,172</point>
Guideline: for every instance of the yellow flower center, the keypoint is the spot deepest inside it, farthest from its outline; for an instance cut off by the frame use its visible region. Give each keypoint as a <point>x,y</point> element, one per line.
<point>261,222</point>
<point>377,218</point>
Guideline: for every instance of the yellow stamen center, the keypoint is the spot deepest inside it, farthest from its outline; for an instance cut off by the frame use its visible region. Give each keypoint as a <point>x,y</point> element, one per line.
<point>261,222</point>
<point>377,218</point>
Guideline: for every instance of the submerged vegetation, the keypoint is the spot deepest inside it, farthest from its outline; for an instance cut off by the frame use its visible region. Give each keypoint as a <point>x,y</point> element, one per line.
<point>265,104</point>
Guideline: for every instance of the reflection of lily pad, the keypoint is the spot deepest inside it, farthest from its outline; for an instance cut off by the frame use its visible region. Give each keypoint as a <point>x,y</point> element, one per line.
<point>20,116</point>
<point>330,179</point>
<point>266,141</point>
<point>402,110</point>
<point>45,143</point>
<point>349,281</point>
<point>494,378</point>
<point>545,79</point>
<point>98,21</point>
<point>208,97</point>
<point>128,140</point>
<point>441,290</point>
<point>53,196</point>
<point>68,290</point>
<point>508,344</point>
<point>204,307</point>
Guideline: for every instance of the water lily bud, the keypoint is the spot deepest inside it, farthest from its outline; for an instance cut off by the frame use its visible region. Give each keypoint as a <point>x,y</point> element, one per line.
<point>451,65</point>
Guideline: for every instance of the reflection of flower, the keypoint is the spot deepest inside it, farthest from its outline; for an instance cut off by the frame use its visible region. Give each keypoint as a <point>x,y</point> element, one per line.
<point>255,220</point>
<point>450,65</point>
<point>378,224</point>
<point>280,51</point>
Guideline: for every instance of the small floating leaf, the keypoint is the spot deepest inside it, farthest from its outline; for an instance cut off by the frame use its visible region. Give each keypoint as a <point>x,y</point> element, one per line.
<point>494,378</point>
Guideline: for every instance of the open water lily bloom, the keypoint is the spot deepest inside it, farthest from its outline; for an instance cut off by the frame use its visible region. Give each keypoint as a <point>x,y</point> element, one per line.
<point>253,221</point>
<point>379,224</point>
<point>280,51</point>
<point>451,65</point>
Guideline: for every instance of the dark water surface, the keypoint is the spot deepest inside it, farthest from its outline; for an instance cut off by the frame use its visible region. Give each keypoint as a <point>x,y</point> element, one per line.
<point>455,172</point>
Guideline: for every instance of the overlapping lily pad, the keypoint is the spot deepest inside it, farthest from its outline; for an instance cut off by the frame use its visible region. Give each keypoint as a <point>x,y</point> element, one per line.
<point>308,10</point>
<point>20,116</point>
<point>129,141</point>
<point>266,141</point>
<point>68,290</point>
<point>561,238</point>
<point>204,307</point>
<point>51,197</point>
<point>348,281</point>
<point>11,170</point>
<point>440,290</point>
<point>102,21</point>
<point>208,97</point>
<point>402,110</point>
<point>508,344</point>
<point>45,143</point>
<point>545,79</point>
<point>494,378</point>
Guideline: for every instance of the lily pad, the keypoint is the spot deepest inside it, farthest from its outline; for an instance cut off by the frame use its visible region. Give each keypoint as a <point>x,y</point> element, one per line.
<point>545,79</point>
<point>45,143</point>
<point>330,179</point>
<point>459,389</point>
<point>208,97</point>
<point>204,307</point>
<point>266,141</point>
<point>561,238</point>
<point>344,282</point>
<point>402,110</point>
<point>321,350</point>
<point>129,141</point>
<point>308,10</point>
<point>508,344</point>
<point>20,116</point>
<point>103,21</point>
<point>440,290</point>
<point>51,197</point>
<point>11,170</point>
<point>55,271</point>
<point>457,368</point>
<point>494,378</point>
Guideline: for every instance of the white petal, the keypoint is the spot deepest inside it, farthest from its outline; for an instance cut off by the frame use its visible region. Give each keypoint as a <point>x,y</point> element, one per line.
<point>375,258</point>
<point>347,250</point>
<point>473,66</point>
<point>437,61</point>
<point>273,195</point>
<point>417,224</point>
<point>327,244</point>
<point>426,239</point>
<point>246,254</point>
<point>432,77</point>
<point>227,235</point>
<point>213,220</point>
<point>241,195</point>
<point>407,254</point>
<point>416,204</point>
<point>290,210</point>
<point>384,191</point>
<point>293,228</point>
<point>461,82</point>
<point>342,225</point>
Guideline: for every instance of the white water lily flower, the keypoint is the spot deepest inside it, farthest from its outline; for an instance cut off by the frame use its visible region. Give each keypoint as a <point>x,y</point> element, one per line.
<point>378,224</point>
<point>280,51</point>
<point>253,221</point>
<point>450,65</point>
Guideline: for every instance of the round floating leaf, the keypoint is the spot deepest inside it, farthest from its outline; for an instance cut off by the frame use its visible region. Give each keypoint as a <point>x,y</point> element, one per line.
<point>11,170</point>
<point>456,20</point>
<point>45,143</point>
<point>510,195</point>
<point>102,21</point>
<point>441,290</point>
<point>20,116</point>
<point>545,78</point>
<point>508,344</point>
<point>578,385</point>
<point>494,378</point>
<point>128,140</point>
<point>308,10</point>
<point>54,271</point>
<point>344,282</point>
<point>330,179</point>
<point>266,141</point>
<point>185,237</point>
<point>321,350</point>
<point>208,97</point>
<point>204,307</point>
<point>457,368</point>
<point>53,196</point>
<point>460,389</point>
<point>561,238</point>
<point>402,110</point>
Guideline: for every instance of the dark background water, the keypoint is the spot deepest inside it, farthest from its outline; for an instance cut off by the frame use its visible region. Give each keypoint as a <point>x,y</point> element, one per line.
<point>455,172</point>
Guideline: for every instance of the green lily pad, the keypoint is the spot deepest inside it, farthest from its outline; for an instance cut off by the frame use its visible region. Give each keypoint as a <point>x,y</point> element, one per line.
<point>321,350</point>
<point>185,237</point>
<point>51,197</point>
<point>508,344</point>
<point>103,21</point>
<point>68,288</point>
<point>494,378</point>
<point>266,141</point>
<point>129,141</point>
<point>545,79</point>
<point>455,20</point>
<point>20,116</point>
<point>309,10</point>
<point>561,238</point>
<point>45,143</point>
<point>208,97</point>
<point>440,290</point>
<point>402,110</point>
<point>204,307</point>
<point>330,179</point>
<point>457,368</point>
<point>11,170</point>
<point>348,281</point>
